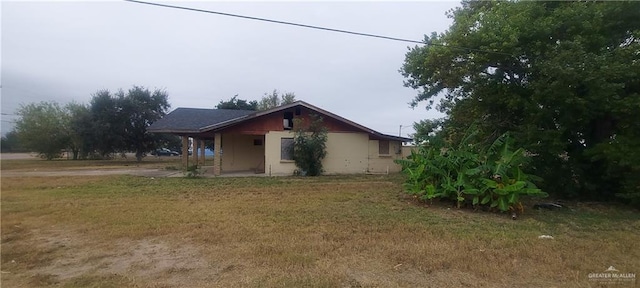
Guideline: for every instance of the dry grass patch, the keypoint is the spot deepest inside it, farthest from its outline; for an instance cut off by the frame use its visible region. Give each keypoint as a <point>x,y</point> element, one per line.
<point>343,231</point>
<point>36,164</point>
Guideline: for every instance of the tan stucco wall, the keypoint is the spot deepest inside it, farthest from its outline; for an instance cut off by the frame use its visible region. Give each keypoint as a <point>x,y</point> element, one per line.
<point>273,165</point>
<point>239,153</point>
<point>406,150</point>
<point>384,163</point>
<point>347,153</point>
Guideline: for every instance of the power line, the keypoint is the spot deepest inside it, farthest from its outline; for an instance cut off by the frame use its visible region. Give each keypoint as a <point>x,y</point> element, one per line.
<point>277,21</point>
<point>313,27</point>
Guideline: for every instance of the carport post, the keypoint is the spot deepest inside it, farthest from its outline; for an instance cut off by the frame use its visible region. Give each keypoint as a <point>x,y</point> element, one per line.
<point>185,152</point>
<point>217,154</point>
<point>194,147</point>
<point>202,152</point>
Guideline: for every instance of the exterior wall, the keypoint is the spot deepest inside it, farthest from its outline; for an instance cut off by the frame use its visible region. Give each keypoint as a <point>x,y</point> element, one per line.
<point>239,153</point>
<point>330,123</point>
<point>384,163</point>
<point>258,126</point>
<point>347,153</point>
<point>273,122</point>
<point>406,150</point>
<point>273,164</point>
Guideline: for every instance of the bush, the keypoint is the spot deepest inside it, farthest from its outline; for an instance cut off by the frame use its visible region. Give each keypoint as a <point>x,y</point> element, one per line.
<point>193,172</point>
<point>491,177</point>
<point>309,145</point>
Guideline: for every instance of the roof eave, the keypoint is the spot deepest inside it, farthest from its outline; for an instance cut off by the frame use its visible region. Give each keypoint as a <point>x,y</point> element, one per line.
<point>394,138</point>
<point>223,123</point>
<point>174,131</point>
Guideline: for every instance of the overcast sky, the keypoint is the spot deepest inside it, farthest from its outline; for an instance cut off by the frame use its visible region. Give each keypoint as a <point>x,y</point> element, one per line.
<point>66,51</point>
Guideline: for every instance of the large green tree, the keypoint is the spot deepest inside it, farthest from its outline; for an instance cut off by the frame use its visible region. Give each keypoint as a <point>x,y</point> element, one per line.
<point>11,143</point>
<point>237,104</point>
<point>111,123</point>
<point>564,77</point>
<point>106,125</point>
<point>275,99</point>
<point>43,128</point>
<point>426,130</point>
<point>141,107</point>
<point>119,121</point>
<point>80,130</point>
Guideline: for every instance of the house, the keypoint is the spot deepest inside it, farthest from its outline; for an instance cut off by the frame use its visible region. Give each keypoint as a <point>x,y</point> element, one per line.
<point>257,141</point>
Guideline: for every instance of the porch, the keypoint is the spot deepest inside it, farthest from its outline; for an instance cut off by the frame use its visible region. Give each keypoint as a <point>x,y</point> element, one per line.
<point>233,153</point>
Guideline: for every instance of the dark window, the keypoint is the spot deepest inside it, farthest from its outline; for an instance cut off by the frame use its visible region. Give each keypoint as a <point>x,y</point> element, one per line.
<point>383,147</point>
<point>286,149</point>
<point>257,142</point>
<point>288,121</point>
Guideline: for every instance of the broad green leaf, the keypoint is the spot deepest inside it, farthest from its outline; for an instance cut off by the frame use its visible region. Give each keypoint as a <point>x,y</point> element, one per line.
<point>490,183</point>
<point>470,191</point>
<point>474,171</point>
<point>502,204</point>
<point>515,187</point>
<point>501,192</point>
<point>513,198</point>
<point>485,200</point>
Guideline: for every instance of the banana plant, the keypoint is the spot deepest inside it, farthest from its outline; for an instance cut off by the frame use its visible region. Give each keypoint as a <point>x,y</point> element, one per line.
<point>507,182</point>
<point>492,176</point>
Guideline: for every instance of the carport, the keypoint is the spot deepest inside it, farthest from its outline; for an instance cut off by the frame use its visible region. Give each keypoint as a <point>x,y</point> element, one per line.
<point>198,124</point>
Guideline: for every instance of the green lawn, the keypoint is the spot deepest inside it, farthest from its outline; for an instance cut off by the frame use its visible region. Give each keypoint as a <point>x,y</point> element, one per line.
<point>337,231</point>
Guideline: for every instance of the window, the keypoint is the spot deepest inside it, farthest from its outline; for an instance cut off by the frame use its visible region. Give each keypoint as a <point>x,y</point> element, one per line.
<point>288,121</point>
<point>286,149</point>
<point>257,142</point>
<point>383,147</point>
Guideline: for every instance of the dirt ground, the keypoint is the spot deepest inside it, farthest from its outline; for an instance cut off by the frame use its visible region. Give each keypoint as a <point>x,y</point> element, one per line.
<point>17,156</point>
<point>86,171</point>
<point>94,172</point>
<point>150,260</point>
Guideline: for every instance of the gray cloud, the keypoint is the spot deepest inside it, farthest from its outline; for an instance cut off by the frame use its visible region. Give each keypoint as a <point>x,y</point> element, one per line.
<point>67,51</point>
